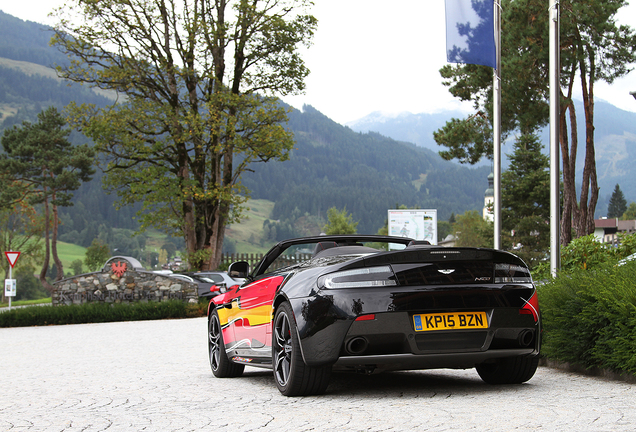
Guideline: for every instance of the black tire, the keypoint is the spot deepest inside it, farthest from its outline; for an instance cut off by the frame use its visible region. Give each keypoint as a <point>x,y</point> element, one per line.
<point>292,376</point>
<point>511,370</point>
<point>221,366</point>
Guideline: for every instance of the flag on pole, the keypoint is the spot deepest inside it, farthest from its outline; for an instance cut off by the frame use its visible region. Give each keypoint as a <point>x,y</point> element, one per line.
<point>470,32</point>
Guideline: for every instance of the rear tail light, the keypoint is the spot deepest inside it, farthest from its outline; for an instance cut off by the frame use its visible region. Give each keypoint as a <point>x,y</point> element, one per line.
<point>531,307</point>
<point>512,273</point>
<point>367,277</point>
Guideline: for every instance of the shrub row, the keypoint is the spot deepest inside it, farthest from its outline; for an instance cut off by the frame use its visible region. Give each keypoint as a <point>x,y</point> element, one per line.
<point>586,253</point>
<point>100,312</point>
<point>589,317</point>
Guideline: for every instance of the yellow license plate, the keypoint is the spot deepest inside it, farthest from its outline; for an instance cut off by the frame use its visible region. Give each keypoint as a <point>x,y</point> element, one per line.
<point>450,321</point>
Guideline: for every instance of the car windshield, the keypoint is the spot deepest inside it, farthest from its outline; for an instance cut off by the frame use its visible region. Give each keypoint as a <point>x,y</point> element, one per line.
<point>324,252</point>
<point>293,252</point>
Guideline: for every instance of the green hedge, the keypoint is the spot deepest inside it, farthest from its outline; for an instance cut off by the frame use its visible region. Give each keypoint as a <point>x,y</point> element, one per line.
<point>586,253</point>
<point>589,317</point>
<point>100,312</point>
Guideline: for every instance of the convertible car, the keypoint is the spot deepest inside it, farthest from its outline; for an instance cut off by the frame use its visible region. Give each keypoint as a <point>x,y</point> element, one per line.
<point>367,304</point>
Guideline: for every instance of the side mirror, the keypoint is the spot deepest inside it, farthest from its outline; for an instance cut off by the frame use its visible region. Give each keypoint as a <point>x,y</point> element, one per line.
<point>239,269</point>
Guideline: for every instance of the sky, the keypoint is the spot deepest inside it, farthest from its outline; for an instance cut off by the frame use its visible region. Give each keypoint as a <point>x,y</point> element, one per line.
<point>376,56</point>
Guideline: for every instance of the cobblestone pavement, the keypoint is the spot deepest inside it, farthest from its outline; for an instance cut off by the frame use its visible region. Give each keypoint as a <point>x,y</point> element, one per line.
<point>155,376</point>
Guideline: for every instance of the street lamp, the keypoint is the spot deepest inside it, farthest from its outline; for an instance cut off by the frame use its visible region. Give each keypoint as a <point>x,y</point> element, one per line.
<point>633,94</point>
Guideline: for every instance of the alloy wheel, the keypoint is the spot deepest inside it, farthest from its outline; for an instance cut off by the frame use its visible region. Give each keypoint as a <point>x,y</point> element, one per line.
<point>283,349</point>
<point>214,343</point>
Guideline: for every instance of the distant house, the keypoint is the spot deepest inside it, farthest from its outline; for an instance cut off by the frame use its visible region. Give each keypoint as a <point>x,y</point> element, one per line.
<point>606,230</point>
<point>449,241</point>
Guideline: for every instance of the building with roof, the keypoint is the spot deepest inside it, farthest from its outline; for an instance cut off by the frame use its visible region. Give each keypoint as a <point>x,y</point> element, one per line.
<point>606,230</point>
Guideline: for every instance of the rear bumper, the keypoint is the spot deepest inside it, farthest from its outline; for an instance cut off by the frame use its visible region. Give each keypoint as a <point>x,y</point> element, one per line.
<point>330,335</point>
<point>426,361</point>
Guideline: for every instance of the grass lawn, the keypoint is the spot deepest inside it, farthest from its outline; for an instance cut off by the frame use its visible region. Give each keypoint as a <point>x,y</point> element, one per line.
<point>248,233</point>
<point>68,253</point>
<point>25,302</point>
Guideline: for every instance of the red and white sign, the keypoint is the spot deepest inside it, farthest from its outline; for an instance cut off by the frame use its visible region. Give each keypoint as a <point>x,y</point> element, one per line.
<point>12,257</point>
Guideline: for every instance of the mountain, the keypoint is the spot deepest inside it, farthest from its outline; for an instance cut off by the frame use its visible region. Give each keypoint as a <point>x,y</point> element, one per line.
<point>28,82</point>
<point>414,128</point>
<point>365,170</point>
<point>366,173</point>
<point>330,166</point>
<point>615,142</point>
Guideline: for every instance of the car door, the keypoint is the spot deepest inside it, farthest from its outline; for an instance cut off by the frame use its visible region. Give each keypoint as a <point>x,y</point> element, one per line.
<point>251,313</point>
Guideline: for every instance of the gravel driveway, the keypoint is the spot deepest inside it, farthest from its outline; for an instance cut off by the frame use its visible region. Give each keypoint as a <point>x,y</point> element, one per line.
<point>155,376</point>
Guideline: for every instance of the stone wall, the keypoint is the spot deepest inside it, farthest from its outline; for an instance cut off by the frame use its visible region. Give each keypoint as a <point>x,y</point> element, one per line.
<point>129,286</point>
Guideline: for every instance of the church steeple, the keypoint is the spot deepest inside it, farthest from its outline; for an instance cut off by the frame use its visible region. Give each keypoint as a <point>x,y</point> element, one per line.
<point>489,198</point>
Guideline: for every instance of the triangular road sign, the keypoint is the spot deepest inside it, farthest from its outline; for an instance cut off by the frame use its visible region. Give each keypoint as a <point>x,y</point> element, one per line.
<point>12,257</point>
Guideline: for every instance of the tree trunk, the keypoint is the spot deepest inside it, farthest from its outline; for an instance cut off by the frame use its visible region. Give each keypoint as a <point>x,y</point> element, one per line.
<point>584,214</point>
<point>56,258</point>
<point>47,252</point>
<point>568,155</point>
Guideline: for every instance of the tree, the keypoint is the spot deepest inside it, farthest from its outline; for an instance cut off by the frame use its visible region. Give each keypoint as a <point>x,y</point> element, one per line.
<point>617,204</point>
<point>630,213</point>
<point>96,255</point>
<point>526,200</point>
<point>593,48</point>
<point>199,79</point>
<point>44,168</point>
<point>340,222</point>
<point>20,230</point>
<point>471,230</point>
<point>27,285</point>
<point>170,249</point>
<point>76,266</point>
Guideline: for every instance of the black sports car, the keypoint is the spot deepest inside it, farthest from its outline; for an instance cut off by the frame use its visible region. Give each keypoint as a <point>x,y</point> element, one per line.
<point>371,303</point>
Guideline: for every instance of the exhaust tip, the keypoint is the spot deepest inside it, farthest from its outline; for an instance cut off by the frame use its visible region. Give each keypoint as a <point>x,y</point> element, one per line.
<point>526,337</point>
<point>356,346</point>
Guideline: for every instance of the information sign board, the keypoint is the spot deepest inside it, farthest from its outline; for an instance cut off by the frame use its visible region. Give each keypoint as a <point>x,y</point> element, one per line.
<point>9,288</point>
<point>416,224</point>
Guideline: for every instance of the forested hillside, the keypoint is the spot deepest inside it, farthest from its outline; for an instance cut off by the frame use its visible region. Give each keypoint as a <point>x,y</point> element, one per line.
<point>331,165</point>
<point>27,81</point>
<point>615,142</point>
<point>367,173</point>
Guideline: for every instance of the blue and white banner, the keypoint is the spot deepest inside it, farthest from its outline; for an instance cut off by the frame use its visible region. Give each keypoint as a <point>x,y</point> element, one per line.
<point>470,32</point>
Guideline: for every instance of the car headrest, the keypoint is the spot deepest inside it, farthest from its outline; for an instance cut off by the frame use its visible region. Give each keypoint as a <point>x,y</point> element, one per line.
<point>419,243</point>
<point>324,245</point>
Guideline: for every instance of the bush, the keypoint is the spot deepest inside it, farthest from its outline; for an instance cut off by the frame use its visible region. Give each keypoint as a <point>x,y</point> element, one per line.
<point>28,286</point>
<point>587,253</point>
<point>589,317</point>
<point>100,312</point>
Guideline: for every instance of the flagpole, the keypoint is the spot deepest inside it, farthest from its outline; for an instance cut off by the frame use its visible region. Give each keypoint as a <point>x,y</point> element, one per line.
<point>555,94</point>
<point>496,126</point>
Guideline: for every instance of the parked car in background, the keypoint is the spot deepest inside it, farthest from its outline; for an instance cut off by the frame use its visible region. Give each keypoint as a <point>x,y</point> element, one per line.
<point>372,303</point>
<point>180,276</point>
<point>627,259</point>
<point>213,283</point>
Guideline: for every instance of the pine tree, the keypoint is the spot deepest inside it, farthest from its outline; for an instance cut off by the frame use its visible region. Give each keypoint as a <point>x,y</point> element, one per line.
<point>43,167</point>
<point>340,222</point>
<point>526,199</point>
<point>617,204</point>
